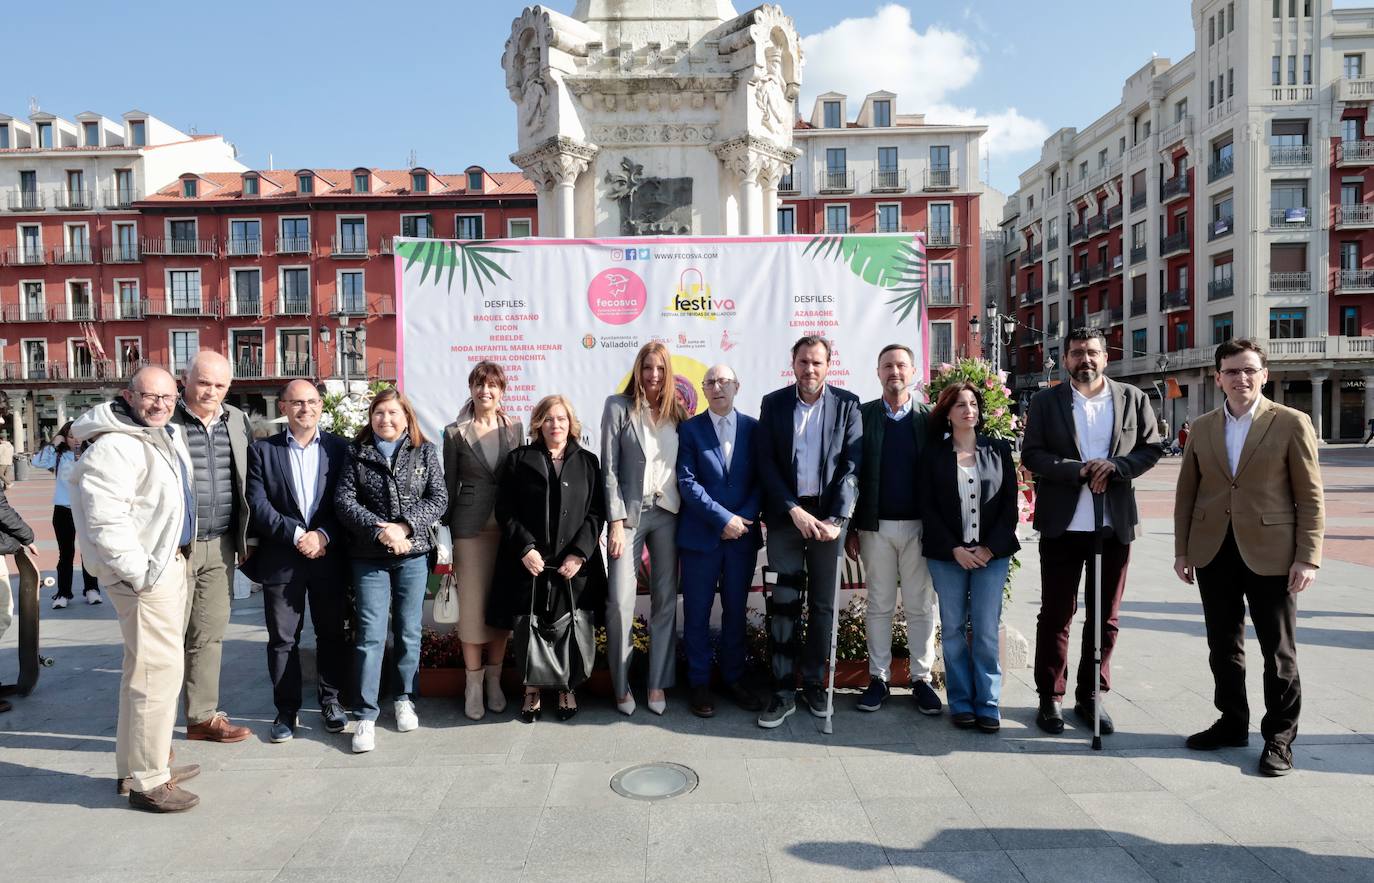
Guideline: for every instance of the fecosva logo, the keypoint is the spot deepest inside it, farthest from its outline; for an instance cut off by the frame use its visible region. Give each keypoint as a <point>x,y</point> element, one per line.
<point>693,297</point>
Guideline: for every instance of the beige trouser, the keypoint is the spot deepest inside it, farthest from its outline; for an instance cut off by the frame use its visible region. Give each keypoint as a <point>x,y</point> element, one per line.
<point>209,589</point>
<point>6,597</point>
<point>151,622</point>
<point>891,554</point>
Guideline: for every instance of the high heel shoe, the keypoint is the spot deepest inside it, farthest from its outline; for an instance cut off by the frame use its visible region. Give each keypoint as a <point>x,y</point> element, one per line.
<point>496,697</point>
<point>626,706</point>
<point>658,706</point>
<point>473,706</point>
<point>566,712</point>
<point>529,713</point>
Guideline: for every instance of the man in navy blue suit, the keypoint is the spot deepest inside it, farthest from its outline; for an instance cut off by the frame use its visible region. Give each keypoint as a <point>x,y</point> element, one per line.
<point>290,490</point>
<point>718,536</point>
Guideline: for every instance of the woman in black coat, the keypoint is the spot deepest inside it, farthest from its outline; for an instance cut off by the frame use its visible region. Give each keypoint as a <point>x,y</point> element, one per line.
<point>551,508</point>
<point>15,536</point>
<point>968,519</point>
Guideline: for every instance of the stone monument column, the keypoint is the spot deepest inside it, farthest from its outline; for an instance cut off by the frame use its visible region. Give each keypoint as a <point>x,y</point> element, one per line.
<point>554,167</point>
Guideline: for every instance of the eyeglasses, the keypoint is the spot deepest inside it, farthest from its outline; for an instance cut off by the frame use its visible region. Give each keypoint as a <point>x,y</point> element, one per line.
<point>1233,373</point>
<point>718,383</point>
<point>301,403</point>
<point>151,398</point>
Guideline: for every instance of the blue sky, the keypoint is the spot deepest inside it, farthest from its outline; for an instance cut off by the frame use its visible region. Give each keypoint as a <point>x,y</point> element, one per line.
<point>348,83</point>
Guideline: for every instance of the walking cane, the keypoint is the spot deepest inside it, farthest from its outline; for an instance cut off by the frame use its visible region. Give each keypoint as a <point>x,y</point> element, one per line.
<point>1098,503</point>
<point>828,727</point>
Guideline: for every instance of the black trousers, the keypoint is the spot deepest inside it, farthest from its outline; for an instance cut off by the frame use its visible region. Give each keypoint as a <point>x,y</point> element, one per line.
<point>284,605</point>
<point>1225,585</point>
<point>64,529</point>
<point>1063,561</point>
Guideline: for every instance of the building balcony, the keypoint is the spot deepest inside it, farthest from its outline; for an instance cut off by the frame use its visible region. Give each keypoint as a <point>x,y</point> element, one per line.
<point>1078,233</point>
<point>1354,281</point>
<point>1095,273</point>
<point>1139,306</point>
<point>181,246</point>
<point>25,256</point>
<point>348,246</point>
<point>1053,287</point>
<point>1290,282</point>
<point>1290,94</point>
<point>1175,243</point>
<point>65,200</point>
<point>297,366</point>
<point>1220,169</point>
<point>1099,319</point>
<point>948,237</point>
<point>94,371</point>
<point>114,309</point>
<point>1054,330</point>
<point>945,295</point>
<point>1355,216</point>
<point>73,312</point>
<point>892,227</point>
<point>1114,215</point>
<point>25,201</point>
<point>119,197</point>
<point>293,305</point>
<point>179,305</point>
<point>1096,225</point>
<point>80,254</point>
<point>1179,131</point>
<point>836,181</point>
<point>123,254</point>
<point>293,245</point>
<point>1298,218</point>
<point>1355,153</point>
<point>888,181</point>
<point>1032,296</point>
<point>787,186</point>
<point>1028,337</point>
<point>1118,264</point>
<point>243,246</point>
<point>1078,280</point>
<point>244,306</point>
<point>1220,227</point>
<point>1179,299</point>
<point>939,179</point>
<point>1138,201</point>
<point>382,369</point>
<point>1355,91</point>
<point>350,306</point>
<point>384,305</point>
<point>1036,253</point>
<point>1218,289</point>
<point>1139,254</point>
<point>1290,155</point>
<point>249,369</point>
<point>1174,188</point>
<point>1052,244</point>
<point>22,312</point>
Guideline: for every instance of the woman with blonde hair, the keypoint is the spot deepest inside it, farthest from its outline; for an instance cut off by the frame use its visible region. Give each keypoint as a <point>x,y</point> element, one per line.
<point>639,470</point>
<point>476,446</point>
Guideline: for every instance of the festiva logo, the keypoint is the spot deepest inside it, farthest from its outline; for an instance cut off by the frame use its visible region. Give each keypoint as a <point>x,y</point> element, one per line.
<point>694,297</point>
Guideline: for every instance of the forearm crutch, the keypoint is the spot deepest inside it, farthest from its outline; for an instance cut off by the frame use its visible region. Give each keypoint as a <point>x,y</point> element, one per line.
<point>1098,504</point>
<point>827,723</point>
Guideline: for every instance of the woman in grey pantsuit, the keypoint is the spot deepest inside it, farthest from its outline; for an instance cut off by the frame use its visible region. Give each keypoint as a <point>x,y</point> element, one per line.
<point>638,466</point>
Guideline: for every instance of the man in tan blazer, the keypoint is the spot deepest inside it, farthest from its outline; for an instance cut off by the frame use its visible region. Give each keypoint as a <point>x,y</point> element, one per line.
<point>1248,526</point>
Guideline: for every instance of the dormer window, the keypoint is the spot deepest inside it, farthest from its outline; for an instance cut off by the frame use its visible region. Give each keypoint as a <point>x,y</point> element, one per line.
<point>360,182</point>
<point>305,183</point>
<point>250,185</point>
<point>832,115</point>
<point>882,113</point>
<point>90,134</point>
<point>45,134</point>
<point>475,180</point>
<point>419,182</point>
<point>188,188</point>
<point>138,133</point>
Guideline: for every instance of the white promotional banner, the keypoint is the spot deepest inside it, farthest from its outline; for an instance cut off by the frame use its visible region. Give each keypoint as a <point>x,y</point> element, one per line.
<point>567,315</point>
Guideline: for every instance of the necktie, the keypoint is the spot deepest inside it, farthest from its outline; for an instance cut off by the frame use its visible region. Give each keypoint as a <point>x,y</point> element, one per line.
<point>727,444</point>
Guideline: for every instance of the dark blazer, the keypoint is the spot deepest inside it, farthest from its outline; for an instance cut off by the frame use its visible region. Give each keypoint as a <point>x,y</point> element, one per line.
<point>942,519</point>
<point>240,437</point>
<point>1050,451</point>
<point>275,514</point>
<point>529,520</point>
<point>874,416</point>
<point>710,494</point>
<point>841,454</point>
<point>15,534</point>
<point>409,489</point>
<point>471,483</point>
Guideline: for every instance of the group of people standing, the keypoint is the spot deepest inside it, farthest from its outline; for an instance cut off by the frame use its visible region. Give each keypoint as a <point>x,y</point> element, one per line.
<point>171,495</point>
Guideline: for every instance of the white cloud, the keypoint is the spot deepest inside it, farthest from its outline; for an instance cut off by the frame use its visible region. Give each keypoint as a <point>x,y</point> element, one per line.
<point>885,51</point>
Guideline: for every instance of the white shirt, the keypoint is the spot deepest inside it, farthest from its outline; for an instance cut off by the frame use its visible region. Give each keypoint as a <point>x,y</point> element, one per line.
<point>968,501</point>
<point>305,476</point>
<point>1093,418</point>
<point>1237,428</point>
<point>806,446</point>
<point>725,433</point>
<point>660,463</point>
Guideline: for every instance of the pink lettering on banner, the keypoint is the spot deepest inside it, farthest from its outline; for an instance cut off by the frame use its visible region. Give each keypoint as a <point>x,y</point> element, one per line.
<point>617,296</point>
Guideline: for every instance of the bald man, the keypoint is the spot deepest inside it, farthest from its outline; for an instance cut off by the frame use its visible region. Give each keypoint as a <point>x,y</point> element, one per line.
<point>217,436</point>
<point>134,512</point>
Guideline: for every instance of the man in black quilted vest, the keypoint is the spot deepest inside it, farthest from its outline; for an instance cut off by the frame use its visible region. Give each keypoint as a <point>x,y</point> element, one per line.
<point>217,436</point>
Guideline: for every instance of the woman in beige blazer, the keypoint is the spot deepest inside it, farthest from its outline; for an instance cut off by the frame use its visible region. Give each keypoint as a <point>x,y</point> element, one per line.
<point>475,449</point>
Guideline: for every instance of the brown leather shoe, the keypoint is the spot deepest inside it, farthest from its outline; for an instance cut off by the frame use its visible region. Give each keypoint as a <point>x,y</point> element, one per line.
<point>702,704</point>
<point>179,774</point>
<point>164,798</point>
<point>217,729</point>
<point>5,706</point>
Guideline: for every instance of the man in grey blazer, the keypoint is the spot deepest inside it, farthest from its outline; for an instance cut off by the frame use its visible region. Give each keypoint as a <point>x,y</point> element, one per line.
<point>217,436</point>
<point>1090,436</point>
<point>808,448</point>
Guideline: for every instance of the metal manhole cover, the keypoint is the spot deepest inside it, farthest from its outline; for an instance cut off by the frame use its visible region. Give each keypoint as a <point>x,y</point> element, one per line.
<point>654,781</point>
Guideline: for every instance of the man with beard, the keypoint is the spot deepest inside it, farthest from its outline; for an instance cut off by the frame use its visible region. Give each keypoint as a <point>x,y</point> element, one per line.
<point>1089,436</point>
<point>809,445</point>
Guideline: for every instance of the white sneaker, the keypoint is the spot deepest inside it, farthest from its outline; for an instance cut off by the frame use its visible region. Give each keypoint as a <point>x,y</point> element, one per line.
<point>92,596</point>
<point>59,603</point>
<point>406,719</point>
<point>365,737</point>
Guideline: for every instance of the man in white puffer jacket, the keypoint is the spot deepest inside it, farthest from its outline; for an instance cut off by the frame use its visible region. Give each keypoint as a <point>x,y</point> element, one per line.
<point>134,512</point>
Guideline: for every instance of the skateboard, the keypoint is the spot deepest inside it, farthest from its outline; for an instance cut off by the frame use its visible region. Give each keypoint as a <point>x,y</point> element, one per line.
<point>30,660</point>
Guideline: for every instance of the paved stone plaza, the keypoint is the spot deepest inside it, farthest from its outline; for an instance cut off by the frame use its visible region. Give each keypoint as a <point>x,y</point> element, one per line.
<point>890,796</point>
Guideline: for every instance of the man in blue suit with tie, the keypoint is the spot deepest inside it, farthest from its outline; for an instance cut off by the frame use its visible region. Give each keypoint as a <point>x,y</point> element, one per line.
<point>290,490</point>
<point>717,536</point>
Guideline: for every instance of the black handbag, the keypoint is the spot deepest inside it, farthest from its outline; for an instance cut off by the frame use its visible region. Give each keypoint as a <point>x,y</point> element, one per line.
<point>554,653</point>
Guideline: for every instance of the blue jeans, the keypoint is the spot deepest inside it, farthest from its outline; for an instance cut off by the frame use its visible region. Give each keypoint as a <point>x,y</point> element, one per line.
<point>394,587</point>
<point>973,674</point>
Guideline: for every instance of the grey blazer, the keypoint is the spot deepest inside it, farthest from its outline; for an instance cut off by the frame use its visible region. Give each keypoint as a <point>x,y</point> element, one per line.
<point>1050,451</point>
<point>622,461</point>
<point>471,483</point>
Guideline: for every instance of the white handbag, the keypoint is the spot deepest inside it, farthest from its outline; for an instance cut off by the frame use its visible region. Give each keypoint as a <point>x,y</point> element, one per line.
<point>443,544</point>
<point>446,601</point>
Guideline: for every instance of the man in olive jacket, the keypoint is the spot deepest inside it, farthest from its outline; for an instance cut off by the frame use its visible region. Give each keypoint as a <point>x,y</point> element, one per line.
<point>887,531</point>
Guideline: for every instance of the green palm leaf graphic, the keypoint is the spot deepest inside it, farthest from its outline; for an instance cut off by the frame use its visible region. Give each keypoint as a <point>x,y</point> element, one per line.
<point>463,259</point>
<point>892,263</point>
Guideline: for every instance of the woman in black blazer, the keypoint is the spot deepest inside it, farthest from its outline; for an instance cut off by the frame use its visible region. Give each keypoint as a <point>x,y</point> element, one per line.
<point>551,508</point>
<point>968,512</point>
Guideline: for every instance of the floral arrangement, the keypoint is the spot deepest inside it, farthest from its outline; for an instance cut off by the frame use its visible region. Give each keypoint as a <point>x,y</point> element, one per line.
<point>345,413</point>
<point>999,421</point>
<point>851,641</point>
<point>639,640</point>
<point>440,649</point>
